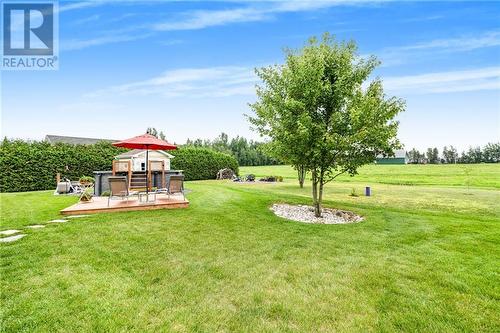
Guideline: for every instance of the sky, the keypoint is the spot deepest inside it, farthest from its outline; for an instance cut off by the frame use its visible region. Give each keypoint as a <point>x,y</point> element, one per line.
<point>187,68</point>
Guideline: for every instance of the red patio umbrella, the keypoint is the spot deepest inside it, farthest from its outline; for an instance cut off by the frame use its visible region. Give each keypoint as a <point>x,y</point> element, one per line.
<point>145,141</point>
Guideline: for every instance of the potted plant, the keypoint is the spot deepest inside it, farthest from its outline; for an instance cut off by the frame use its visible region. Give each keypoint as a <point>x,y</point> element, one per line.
<point>86,195</point>
<point>86,180</point>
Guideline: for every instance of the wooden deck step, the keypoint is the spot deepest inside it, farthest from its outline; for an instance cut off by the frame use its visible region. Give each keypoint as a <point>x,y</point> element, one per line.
<point>138,181</point>
<point>100,204</point>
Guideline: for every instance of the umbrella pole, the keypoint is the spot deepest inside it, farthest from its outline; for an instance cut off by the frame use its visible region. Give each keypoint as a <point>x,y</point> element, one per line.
<point>147,174</point>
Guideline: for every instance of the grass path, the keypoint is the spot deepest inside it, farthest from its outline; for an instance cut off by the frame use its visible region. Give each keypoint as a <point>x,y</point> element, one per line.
<point>425,259</point>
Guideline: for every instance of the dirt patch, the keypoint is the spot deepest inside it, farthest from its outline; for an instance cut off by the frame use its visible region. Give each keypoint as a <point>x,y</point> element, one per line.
<point>305,214</point>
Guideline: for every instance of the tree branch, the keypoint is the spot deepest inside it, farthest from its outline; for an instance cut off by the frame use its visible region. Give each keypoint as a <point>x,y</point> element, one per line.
<point>330,179</point>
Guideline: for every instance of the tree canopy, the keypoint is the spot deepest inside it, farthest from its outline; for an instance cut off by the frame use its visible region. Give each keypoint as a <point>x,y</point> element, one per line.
<point>319,115</point>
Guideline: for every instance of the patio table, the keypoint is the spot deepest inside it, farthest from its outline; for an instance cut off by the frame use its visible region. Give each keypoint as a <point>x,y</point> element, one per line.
<point>146,194</point>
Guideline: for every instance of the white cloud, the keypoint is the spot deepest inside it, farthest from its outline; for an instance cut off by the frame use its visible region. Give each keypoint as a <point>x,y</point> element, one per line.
<point>193,20</point>
<point>201,19</point>
<point>225,81</point>
<point>423,18</point>
<point>487,78</point>
<point>487,39</point>
<point>190,82</point>
<point>79,5</point>
<point>88,19</point>
<point>402,54</point>
<point>78,44</point>
<point>74,5</point>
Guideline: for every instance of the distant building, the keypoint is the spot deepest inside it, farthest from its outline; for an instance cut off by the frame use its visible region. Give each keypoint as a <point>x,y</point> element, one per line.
<point>398,158</point>
<point>158,159</point>
<point>74,140</point>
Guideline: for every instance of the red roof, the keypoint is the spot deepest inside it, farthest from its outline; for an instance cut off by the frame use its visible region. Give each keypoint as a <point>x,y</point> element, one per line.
<point>145,141</point>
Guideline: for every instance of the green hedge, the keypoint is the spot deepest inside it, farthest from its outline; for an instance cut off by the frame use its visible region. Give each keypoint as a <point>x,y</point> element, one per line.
<point>201,163</point>
<point>32,165</point>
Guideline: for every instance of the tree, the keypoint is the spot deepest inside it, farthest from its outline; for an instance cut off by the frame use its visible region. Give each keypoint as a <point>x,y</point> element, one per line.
<point>318,116</point>
<point>410,156</point>
<point>415,157</point>
<point>247,152</point>
<point>152,131</point>
<point>429,155</point>
<point>432,155</point>
<point>301,174</point>
<point>473,155</point>
<point>221,143</point>
<point>450,155</point>
<point>491,153</point>
<point>435,155</point>
<point>467,178</point>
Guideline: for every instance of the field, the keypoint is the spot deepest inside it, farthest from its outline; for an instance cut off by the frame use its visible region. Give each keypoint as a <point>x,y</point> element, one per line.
<point>426,258</point>
<point>477,175</point>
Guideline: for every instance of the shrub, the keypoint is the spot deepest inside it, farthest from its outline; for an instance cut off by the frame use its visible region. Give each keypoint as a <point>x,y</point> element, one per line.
<point>86,179</point>
<point>202,163</point>
<point>32,165</point>
<point>250,178</point>
<point>271,179</point>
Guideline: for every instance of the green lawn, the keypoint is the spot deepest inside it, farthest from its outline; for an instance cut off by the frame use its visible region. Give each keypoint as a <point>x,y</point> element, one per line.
<point>425,259</point>
<point>480,175</point>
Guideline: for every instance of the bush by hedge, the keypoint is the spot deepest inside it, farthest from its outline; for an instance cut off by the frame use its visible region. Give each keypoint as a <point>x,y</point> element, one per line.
<point>202,163</point>
<point>32,165</point>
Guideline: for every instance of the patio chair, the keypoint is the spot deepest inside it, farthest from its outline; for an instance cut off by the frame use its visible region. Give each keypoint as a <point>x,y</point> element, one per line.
<point>74,186</point>
<point>118,188</point>
<point>175,185</point>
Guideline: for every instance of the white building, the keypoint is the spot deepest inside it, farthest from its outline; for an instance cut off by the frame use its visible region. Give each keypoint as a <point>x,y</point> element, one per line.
<point>398,158</point>
<point>137,157</point>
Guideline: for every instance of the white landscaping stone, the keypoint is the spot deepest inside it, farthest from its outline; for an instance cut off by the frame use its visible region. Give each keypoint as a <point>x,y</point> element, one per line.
<point>11,238</point>
<point>302,213</point>
<point>76,216</point>
<point>35,226</point>
<point>58,221</point>
<point>9,232</point>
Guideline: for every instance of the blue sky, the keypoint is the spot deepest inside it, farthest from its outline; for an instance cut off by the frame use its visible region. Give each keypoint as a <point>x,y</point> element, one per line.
<point>187,67</point>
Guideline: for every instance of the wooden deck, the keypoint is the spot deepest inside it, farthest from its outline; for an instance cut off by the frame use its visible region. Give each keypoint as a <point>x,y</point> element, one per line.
<point>100,205</point>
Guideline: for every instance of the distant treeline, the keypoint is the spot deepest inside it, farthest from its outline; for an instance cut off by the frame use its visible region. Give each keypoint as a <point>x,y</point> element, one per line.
<point>489,153</point>
<point>247,152</point>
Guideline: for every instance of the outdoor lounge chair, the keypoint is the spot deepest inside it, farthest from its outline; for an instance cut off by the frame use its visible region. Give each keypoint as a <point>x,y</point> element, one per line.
<point>118,188</point>
<point>175,185</point>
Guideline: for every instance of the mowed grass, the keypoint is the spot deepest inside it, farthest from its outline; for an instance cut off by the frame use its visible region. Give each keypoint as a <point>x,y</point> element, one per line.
<point>426,258</point>
<point>478,175</point>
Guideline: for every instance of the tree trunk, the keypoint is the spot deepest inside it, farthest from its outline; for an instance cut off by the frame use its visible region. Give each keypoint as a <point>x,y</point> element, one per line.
<point>316,202</point>
<point>319,201</point>
<point>320,196</point>
<point>302,174</point>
